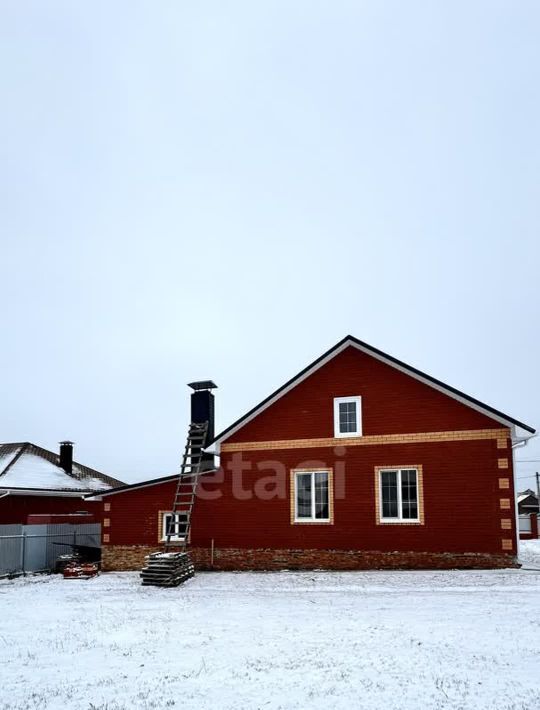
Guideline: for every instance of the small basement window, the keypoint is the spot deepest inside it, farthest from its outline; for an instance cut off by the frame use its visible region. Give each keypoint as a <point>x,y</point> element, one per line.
<point>347,416</point>
<point>174,524</point>
<point>312,496</point>
<point>398,490</point>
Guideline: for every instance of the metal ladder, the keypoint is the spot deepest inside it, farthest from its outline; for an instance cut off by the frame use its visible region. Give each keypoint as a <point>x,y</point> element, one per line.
<point>186,487</point>
<point>170,568</point>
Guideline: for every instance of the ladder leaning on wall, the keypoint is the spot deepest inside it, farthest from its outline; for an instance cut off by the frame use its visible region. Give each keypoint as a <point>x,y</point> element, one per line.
<point>173,565</point>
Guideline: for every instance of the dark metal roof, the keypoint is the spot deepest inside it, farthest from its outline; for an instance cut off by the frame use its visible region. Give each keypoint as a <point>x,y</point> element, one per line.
<point>141,484</point>
<point>452,391</point>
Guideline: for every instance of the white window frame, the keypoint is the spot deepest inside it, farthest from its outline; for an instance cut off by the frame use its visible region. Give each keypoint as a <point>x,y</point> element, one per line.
<point>357,400</point>
<point>399,518</point>
<point>176,537</point>
<point>312,518</point>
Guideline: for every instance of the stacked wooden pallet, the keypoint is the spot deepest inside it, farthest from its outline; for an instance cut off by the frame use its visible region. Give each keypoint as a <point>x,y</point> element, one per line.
<point>167,569</point>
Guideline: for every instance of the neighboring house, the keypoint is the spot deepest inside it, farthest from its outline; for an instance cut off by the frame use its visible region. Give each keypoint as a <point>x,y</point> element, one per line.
<point>38,482</point>
<point>360,461</point>
<point>527,502</point>
<point>528,509</point>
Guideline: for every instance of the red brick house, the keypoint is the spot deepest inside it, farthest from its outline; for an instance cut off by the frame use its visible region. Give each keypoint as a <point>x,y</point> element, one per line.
<point>39,485</point>
<point>359,461</point>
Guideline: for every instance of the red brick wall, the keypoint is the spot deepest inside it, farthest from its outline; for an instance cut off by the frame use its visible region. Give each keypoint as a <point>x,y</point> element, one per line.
<point>16,509</point>
<point>456,476</point>
<point>392,403</point>
<point>461,502</point>
<point>134,514</point>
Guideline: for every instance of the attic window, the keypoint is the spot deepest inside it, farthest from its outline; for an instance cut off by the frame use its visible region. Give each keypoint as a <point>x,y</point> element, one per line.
<point>347,416</point>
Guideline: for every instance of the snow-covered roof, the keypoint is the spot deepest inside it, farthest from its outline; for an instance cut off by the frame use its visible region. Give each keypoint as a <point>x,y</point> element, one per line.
<point>28,466</point>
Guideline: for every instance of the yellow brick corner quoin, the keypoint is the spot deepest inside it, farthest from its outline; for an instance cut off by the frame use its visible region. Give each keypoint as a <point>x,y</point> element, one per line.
<point>503,463</point>
<point>504,483</point>
<point>507,544</point>
<point>505,503</point>
<point>506,524</point>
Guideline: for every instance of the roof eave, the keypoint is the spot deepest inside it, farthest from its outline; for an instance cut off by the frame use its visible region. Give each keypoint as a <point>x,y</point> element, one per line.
<point>140,484</point>
<point>58,492</point>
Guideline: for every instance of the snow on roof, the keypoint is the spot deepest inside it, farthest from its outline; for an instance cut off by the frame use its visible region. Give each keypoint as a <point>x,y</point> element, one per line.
<point>29,466</point>
<point>526,494</point>
<point>32,471</point>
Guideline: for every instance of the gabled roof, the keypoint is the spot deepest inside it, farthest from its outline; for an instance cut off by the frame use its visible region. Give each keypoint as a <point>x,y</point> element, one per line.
<point>141,484</point>
<point>526,494</point>
<point>25,466</point>
<point>351,341</point>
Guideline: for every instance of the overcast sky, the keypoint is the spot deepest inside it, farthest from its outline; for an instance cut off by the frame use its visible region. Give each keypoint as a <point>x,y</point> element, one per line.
<point>223,190</point>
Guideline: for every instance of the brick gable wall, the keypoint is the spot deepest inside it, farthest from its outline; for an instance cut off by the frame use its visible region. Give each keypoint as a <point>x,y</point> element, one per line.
<point>392,403</point>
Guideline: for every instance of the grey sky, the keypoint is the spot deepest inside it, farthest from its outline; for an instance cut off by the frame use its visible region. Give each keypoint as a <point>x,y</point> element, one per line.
<point>225,189</point>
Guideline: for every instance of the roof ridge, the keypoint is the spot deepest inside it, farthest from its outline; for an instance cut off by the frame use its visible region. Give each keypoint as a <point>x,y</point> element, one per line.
<point>16,457</point>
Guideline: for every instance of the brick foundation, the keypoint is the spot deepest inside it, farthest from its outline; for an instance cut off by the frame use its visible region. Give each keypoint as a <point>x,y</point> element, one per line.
<point>131,557</point>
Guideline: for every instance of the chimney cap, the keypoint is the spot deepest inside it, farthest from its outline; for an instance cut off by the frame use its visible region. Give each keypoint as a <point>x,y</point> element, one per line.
<point>67,442</point>
<point>202,385</point>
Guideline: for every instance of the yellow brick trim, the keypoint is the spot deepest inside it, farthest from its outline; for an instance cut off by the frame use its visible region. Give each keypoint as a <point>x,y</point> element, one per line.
<point>106,537</point>
<point>106,507</point>
<point>505,503</point>
<point>377,440</point>
<point>502,463</point>
<point>160,523</point>
<point>293,473</point>
<point>506,523</point>
<point>420,484</point>
<point>504,483</point>
<point>507,544</point>
<point>502,443</point>
<point>106,522</point>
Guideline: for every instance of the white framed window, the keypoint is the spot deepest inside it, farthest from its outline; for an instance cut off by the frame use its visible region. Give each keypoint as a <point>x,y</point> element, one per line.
<point>347,416</point>
<point>312,496</point>
<point>398,495</point>
<point>175,524</point>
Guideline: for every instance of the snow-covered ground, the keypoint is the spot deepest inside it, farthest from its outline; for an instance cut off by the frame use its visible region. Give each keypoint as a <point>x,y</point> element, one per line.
<point>363,640</point>
<point>529,553</point>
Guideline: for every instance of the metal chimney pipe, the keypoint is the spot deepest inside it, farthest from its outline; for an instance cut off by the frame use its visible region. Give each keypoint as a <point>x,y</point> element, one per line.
<point>202,410</point>
<point>66,456</point>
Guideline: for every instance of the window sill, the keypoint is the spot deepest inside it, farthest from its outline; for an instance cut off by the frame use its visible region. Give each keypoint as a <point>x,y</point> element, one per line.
<point>400,522</point>
<point>312,522</point>
<point>347,435</point>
